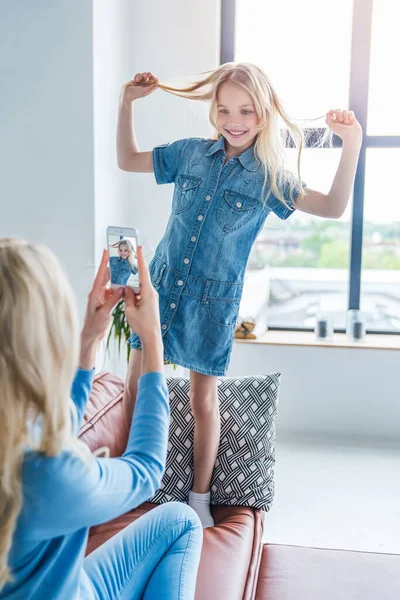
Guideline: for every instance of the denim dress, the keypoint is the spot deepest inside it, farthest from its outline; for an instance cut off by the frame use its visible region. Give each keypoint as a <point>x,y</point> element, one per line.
<point>198,269</point>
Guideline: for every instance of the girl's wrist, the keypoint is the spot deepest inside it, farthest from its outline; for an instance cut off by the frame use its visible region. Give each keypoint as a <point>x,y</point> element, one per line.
<point>354,141</point>
<point>125,95</point>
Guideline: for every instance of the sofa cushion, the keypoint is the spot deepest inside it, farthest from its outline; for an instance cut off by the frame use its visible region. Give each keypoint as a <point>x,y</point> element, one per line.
<point>243,474</point>
<point>231,552</point>
<point>296,573</point>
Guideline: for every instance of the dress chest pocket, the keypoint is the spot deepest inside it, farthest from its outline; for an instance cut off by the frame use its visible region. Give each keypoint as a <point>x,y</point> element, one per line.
<point>185,190</point>
<point>156,269</point>
<point>235,210</point>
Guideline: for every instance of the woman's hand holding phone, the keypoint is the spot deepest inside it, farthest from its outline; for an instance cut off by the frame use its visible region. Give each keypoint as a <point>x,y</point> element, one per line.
<point>143,315</point>
<point>100,304</point>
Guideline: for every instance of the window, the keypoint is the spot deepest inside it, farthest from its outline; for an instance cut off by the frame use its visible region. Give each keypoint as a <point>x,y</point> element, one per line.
<point>316,63</point>
<point>289,39</point>
<point>384,84</point>
<point>380,299</point>
<point>305,258</point>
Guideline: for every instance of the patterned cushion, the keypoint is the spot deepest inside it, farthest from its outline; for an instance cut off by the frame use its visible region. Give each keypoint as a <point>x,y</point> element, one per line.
<point>243,473</point>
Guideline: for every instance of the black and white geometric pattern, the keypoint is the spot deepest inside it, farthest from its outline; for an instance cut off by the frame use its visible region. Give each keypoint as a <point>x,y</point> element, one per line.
<point>244,469</point>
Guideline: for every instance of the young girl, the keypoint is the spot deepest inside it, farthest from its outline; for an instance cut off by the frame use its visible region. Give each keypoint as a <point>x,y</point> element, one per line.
<point>123,265</point>
<point>224,191</point>
<point>52,489</point>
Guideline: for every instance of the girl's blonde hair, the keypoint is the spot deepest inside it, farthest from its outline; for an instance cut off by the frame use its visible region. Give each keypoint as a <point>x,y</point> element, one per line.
<point>270,142</point>
<point>38,358</point>
<point>128,245</point>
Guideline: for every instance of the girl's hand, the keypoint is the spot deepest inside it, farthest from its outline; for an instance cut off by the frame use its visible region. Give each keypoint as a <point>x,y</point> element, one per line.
<point>142,311</point>
<point>344,124</point>
<point>141,85</point>
<point>101,302</point>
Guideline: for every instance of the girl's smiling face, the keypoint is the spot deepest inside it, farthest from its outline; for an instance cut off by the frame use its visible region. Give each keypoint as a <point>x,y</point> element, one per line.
<point>237,119</point>
<point>123,252</point>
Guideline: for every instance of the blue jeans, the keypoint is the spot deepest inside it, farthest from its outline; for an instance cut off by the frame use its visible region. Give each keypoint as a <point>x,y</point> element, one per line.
<point>154,558</point>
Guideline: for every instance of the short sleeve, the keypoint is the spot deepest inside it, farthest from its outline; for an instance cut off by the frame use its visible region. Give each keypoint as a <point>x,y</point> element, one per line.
<point>166,159</point>
<point>289,189</point>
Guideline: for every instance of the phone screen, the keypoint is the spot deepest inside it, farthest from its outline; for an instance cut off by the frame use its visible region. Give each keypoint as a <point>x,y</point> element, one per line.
<point>123,261</point>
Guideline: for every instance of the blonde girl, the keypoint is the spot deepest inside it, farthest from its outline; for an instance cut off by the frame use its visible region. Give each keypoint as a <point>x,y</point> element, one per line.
<point>126,251</point>
<point>125,264</point>
<point>225,188</point>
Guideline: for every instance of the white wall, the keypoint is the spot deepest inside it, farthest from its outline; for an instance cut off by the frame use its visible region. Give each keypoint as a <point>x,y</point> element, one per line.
<point>329,392</point>
<point>62,67</point>
<point>181,39</point>
<point>112,58</point>
<point>46,140</point>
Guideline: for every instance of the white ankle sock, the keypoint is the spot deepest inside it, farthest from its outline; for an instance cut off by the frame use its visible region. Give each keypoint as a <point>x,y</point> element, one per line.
<point>201,504</point>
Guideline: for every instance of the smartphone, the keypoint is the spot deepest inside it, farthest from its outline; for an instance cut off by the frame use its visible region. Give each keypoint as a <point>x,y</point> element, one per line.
<point>122,245</point>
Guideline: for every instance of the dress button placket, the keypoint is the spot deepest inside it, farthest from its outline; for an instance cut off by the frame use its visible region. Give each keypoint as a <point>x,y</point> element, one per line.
<point>190,249</point>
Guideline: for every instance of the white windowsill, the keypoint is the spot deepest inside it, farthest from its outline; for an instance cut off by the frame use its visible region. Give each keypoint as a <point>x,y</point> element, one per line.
<point>305,338</point>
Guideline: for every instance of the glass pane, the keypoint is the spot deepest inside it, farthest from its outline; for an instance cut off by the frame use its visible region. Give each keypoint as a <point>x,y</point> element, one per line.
<point>301,265</point>
<point>304,47</point>
<point>380,291</point>
<point>384,86</point>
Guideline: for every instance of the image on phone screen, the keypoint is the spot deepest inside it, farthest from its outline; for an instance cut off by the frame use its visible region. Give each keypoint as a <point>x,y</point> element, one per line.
<point>123,260</point>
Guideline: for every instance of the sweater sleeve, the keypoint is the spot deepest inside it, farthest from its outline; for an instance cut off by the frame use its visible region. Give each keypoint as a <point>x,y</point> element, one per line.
<point>80,393</point>
<point>66,495</point>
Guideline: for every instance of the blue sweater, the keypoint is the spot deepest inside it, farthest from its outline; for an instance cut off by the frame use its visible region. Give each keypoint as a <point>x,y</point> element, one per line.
<point>62,498</point>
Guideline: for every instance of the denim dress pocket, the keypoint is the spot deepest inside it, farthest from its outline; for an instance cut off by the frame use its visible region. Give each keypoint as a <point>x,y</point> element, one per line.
<point>235,210</point>
<point>156,270</point>
<point>185,191</point>
<point>223,312</point>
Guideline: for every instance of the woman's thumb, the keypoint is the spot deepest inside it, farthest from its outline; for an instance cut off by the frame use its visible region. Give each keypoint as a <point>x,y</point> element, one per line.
<point>129,297</point>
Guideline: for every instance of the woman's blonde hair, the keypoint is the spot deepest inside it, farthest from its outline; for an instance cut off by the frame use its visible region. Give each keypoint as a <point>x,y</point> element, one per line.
<point>38,359</point>
<point>270,142</point>
<point>129,246</point>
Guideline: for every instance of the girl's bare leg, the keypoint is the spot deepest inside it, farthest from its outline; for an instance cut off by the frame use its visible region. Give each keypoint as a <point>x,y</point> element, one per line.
<point>205,408</point>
